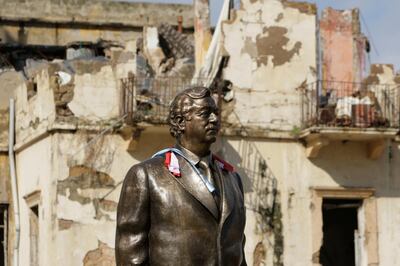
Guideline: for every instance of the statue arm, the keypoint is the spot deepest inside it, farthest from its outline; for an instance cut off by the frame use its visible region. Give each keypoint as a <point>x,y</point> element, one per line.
<point>131,246</point>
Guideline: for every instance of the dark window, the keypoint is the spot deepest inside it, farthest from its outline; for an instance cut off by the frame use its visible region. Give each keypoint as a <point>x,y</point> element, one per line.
<point>339,225</point>
<point>3,234</point>
<point>34,235</point>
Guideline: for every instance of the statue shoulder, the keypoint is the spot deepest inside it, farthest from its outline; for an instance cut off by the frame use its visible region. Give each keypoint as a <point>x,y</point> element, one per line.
<point>223,164</point>
<point>147,164</point>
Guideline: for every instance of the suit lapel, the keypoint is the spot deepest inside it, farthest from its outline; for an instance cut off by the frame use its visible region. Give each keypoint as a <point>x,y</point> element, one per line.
<point>192,183</point>
<point>226,192</point>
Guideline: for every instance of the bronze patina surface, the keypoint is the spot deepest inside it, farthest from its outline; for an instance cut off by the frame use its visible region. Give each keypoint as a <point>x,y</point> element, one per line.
<point>164,219</point>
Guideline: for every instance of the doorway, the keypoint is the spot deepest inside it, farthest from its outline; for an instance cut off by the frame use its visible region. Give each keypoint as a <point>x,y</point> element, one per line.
<point>340,230</point>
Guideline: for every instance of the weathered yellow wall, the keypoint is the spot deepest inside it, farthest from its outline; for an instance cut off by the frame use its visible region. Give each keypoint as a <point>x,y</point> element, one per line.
<point>341,164</point>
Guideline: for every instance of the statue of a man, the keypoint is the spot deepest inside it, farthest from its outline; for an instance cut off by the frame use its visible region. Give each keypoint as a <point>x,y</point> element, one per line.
<point>185,205</point>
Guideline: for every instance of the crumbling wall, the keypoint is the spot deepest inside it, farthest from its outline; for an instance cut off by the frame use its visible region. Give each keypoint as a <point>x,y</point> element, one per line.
<point>42,22</point>
<point>164,52</point>
<point>265,41</point>
<point>102,256</point>
<point>35,113</point>
<point>90,171</point>
<point>48,34</point>
<point>383,82</point>
<point>71,93</point>
<point>343,46</point>
<point>97,12</point>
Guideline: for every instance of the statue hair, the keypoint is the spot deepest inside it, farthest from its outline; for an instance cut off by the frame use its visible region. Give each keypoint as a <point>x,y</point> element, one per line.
<point>181,106</point>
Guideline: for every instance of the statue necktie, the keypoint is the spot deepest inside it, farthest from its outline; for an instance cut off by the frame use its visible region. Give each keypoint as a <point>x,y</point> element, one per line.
<point>206,172</point>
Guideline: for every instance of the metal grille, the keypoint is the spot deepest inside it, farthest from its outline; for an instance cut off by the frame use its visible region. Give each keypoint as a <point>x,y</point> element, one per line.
<point>148,99</point>
<point>263,184</point>
<point>347,104</point>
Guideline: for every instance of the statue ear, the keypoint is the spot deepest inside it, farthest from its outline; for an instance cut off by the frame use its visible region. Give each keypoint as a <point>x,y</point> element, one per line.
<point>181,123</point>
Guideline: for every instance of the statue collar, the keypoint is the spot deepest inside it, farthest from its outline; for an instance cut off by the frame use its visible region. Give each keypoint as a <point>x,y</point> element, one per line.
<point>193,158</point>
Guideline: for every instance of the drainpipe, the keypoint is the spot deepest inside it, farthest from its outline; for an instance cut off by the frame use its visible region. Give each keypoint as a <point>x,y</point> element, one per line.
<point>14,188</point>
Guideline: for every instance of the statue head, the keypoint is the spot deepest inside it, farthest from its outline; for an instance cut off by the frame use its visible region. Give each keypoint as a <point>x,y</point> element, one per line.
<point>193,116</point>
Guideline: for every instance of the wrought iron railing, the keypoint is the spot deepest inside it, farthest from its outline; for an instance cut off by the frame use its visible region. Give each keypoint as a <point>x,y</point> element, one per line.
<point>347,104</point>
<point>148,99</point>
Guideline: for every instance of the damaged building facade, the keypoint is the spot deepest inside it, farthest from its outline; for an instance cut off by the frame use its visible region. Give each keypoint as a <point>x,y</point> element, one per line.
<point>314,137</point>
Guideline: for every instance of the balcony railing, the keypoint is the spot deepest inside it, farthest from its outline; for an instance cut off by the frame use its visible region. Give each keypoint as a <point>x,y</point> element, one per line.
<point>148,99</point>
<point>352,105</point>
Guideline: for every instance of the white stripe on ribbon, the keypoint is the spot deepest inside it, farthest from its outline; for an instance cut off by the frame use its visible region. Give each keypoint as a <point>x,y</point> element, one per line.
<point>209,186</point>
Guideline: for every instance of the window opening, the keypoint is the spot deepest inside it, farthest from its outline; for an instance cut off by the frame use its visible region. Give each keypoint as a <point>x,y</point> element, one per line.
<point>340,225</point>
<point>34,235</point>
<point>3,234</point>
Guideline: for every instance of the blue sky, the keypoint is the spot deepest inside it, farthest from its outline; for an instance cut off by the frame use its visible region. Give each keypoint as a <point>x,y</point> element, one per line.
<point>380,22</point>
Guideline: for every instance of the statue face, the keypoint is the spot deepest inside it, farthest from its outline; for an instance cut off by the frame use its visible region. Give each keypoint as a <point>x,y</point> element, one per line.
<point>202,125</point>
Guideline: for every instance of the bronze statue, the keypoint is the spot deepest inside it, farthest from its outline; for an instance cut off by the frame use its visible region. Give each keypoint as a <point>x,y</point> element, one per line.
<point>184,206</point>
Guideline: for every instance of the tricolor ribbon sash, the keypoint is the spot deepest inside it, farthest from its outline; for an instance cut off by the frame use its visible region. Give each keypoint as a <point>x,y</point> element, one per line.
<point>171,162</point>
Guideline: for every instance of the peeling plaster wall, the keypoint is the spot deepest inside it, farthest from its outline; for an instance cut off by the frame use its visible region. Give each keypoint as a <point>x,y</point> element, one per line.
<point>36,113</point>
<point>339,165</point>
<point>79,191</point>
<point>386,89</point>
<point>88,187</point>
<point>265,41</point>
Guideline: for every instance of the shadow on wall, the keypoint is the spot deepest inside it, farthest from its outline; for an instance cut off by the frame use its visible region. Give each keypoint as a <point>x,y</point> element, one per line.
<point>150,142</point>
<point>260,184</point>
<point>228,152</point>
<point>348,165</point>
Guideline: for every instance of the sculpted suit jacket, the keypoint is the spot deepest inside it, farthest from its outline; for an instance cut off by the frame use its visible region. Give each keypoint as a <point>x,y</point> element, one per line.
<point>168,220</point>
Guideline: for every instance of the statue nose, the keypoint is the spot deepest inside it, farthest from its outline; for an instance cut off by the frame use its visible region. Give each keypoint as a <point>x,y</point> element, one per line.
<point>213,117</point>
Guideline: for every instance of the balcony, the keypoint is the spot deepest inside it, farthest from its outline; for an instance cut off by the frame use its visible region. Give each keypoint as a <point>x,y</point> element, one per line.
<point>347,111</point>
<point>145,101</point>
